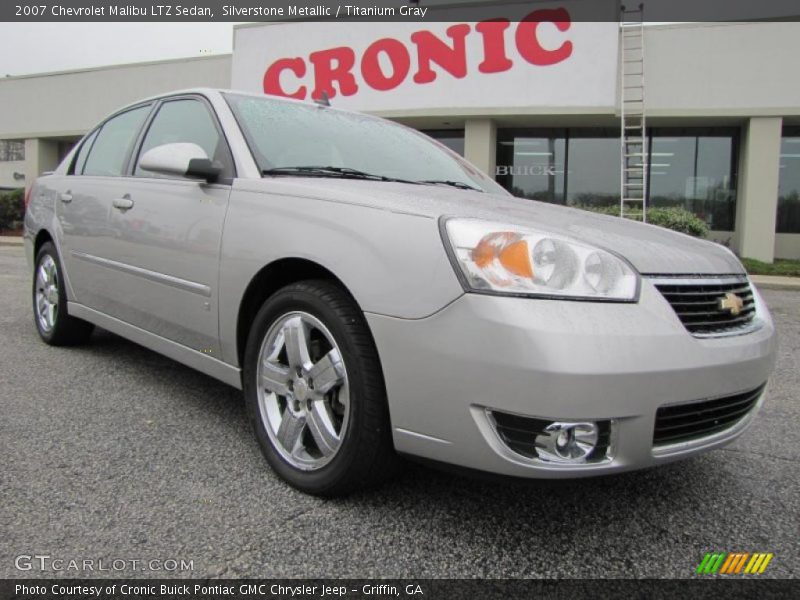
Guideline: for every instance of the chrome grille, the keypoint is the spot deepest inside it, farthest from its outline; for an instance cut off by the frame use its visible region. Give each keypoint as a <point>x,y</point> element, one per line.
<point>685,422</point>
<point>703,304</point>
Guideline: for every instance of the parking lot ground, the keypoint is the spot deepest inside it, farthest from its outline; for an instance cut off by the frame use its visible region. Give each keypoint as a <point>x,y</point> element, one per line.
<point>112,451</point>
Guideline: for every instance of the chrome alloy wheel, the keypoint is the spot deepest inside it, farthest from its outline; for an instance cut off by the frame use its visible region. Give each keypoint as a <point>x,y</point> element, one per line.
<point>303,393</point>
<point>47,294</point>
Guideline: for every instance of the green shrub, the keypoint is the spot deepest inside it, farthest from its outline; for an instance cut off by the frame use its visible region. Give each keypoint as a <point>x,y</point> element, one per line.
<point>677,219</point>
<point>12,209</point>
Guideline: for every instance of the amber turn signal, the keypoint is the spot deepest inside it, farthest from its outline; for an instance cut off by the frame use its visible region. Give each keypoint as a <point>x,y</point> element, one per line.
<point>508,249</point>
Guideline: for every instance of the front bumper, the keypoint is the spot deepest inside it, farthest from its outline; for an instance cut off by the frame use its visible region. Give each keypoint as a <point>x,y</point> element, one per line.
<point>559,360</point>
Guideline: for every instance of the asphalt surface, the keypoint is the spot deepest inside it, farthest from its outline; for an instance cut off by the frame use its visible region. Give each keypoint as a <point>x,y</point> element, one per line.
<point>110,451</point>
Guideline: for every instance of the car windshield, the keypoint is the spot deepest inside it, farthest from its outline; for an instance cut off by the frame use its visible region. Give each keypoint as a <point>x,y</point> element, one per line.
<point>289,138</point>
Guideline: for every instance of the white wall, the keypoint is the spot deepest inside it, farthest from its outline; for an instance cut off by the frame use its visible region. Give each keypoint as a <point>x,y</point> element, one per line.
<point>70,103</point>
<point>723,69</point>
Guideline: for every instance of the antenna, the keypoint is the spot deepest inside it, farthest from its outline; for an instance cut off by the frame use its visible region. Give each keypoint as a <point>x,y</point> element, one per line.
<point>323,100</point>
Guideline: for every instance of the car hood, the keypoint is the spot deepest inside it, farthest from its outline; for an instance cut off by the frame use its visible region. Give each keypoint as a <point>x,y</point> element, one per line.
<point>651,249</point>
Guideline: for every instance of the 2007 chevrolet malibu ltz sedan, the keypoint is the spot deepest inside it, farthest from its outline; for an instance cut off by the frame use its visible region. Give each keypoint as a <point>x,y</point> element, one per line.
<point>375,294</point>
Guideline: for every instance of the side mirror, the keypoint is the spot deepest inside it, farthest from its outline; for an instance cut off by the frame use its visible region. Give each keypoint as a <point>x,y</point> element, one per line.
<point>181,160</point>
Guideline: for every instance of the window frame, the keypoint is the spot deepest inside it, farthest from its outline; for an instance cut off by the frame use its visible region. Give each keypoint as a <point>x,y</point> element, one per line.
<point>89,139</point>
<point>8,143</point>
<point>225,179</point>
<point>697,131</point>
<point>788,131</point>
<point>511,134</point>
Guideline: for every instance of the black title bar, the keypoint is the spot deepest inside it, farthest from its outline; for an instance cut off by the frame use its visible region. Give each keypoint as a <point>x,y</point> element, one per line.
<point>391,10</point>
<point>385,589</point>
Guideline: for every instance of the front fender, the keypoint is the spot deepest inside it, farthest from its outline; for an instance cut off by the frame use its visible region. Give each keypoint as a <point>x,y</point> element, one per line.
<point>392,263</point>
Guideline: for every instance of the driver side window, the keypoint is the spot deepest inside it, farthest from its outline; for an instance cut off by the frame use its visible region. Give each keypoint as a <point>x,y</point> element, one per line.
<point>186,121</point>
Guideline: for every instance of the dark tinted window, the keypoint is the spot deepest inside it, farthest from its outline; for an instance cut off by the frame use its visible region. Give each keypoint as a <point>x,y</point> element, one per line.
<point>789,186</point>
<point>452,138</point>
<point>110,149</point>
<point>80,160</point>
<point>532,163</point>
<point>186,121</point>
<point>695,169</point>
<point>593,167</point>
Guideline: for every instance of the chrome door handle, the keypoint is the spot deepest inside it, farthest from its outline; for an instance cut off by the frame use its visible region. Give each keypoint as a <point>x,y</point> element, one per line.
<point>66,197</point>
<point>124,203</point>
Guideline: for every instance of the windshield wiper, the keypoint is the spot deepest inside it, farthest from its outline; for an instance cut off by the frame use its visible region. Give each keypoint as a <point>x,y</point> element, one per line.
<point>350,173</point>
<point>456,184</point>
<point>341,172</point>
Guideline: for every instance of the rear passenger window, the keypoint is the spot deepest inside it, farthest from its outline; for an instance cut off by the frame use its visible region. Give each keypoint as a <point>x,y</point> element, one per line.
<point>186,121</point>
<point>107,154</point>
<point>80,159</point>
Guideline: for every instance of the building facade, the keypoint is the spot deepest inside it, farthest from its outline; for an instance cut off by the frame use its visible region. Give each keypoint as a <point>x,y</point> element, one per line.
<point>534,102</point>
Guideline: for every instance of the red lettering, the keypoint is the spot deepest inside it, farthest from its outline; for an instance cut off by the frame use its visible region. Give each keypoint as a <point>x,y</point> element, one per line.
<point>272,77</point>
<point>386,62</point>
<point>494,46</point>
<point>325,73</point>
<point>431,49</point>
<point>528,39</point>
<point>371,68</point>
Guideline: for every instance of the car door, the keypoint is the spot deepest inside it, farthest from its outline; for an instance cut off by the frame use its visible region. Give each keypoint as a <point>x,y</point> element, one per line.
<point>84,202</point>
<point>167,233</point>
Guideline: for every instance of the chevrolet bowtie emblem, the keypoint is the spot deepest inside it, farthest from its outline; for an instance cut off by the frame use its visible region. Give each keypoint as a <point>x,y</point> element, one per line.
<point>731,303</point>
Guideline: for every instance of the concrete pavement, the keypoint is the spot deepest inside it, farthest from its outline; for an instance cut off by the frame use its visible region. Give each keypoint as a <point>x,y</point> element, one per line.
<point>112,451</point>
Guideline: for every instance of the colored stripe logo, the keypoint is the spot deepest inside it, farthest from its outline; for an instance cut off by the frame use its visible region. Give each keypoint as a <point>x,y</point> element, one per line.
<point>734,563</point>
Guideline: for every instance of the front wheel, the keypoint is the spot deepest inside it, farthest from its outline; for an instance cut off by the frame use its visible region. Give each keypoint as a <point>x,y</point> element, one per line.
<point>315,392</point>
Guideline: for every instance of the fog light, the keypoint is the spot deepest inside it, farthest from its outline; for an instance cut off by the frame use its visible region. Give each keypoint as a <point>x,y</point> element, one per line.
<point>567,442</point>
<point>557,444</point>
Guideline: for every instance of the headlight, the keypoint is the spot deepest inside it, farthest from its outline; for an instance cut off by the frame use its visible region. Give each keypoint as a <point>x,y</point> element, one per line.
<point>499,258</point>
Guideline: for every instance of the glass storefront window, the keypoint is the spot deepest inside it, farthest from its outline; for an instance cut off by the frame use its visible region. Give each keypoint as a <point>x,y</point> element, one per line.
<point>577,167</point>
<point>593,167</point>
<point>693,168</point>
<point>452,138</point>
<point>532,163</point>
<point>789,183</point>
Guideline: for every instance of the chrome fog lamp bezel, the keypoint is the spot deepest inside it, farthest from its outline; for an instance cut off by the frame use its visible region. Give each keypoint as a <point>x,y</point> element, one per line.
<point>568,441</point>
<point>540,457</point>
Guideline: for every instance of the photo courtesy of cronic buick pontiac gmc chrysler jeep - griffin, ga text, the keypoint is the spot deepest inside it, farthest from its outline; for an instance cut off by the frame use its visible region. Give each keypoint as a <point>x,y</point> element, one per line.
<point>375,295</point>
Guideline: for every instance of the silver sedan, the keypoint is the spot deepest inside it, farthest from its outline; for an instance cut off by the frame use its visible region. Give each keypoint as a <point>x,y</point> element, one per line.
<point>374,294</point>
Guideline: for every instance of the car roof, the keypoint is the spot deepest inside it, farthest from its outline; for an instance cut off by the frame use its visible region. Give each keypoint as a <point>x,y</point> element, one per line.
<point>218,92</point>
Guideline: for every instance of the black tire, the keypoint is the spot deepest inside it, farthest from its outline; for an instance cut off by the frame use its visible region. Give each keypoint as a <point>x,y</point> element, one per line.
<point>66,330</point>
<point>366,456</point>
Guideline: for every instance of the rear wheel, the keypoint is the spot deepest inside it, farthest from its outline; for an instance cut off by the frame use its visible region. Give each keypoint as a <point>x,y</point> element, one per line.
<point>53,323</point>
<point>315,391</point>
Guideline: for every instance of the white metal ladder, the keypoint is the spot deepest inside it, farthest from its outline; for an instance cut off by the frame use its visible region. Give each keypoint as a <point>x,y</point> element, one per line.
<point>633,127</point>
